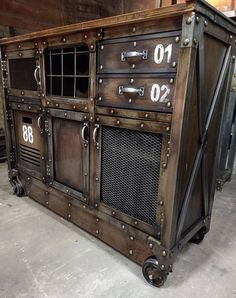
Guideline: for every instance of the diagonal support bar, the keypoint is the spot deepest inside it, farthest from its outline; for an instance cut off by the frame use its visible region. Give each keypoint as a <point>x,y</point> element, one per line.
<point>201,149</point>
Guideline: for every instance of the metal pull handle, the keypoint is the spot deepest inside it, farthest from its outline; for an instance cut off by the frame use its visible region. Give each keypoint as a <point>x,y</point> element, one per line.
<point>134,54</point>
<point>85,126</point>
<point>39,122</point>
<point>36,71</point>
<point>131,90</point>
<point>95,135</point>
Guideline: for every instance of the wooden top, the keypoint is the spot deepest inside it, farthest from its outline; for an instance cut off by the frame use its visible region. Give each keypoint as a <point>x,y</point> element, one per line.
<point>130,18</point>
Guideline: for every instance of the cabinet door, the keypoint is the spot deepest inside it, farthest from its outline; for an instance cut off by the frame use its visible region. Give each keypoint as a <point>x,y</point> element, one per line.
<point>127,176</point>
<point>29,142</point>
<point>69,152</point>
<point>23,73</point>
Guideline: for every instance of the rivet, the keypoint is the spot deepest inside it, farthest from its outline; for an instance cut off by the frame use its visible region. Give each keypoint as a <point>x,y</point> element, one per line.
<point>186,41</point>
<point>97,219</point>
<point>57,105</point>
<point>100,81</point>
<point>101,67</point>
<point>67,191</point>
<point>162,267</point>
<point>195,41</point>
<point>42,157</point>
<point>85,36</point>
<point>112,111</point>
<point>234,57</point>
<point>135,43</point>
<point>64,39</point>
<point>233,88</point>
<point>168,104</point>
<point>20,54</point>
<point>44,43</point>
<point>118,122</point>
<point>131,252</point>
<point>130,100</point>
<point>18,106</point>
<point>123,227</point>
<point>164,253</point>
<point>134,30</point>
<point>36,44</point>
<point>69,215</point>
<point>91,98</point>
<point>164,165</point>
<point>5,55</point>
<point>146,115</point>
<point>102,47</point>
<point>161,203</point>
<point>85,108</point>
<point>131,238</point>
<point>205,23</point>
<point>189,20</point>
<point>99,98</point>
<point>84,206</point>
<point>168,128</point>
<point>177,39</point>
<point>135,222</point>
<point>150,245</point>
<point>141,125</point>
<point>231,37</point>
<point>96,205</point>
<point>197,20</point>
<point>19,46</point>
<point>47,203</point>
<point>48,102</point>
<point>99,34</point>
<point>131,81</point>
<point>69,204</point>
<point>22,92</point>
<point>91,46</point>
<point>74,107</point>
<point>65,114</point>
<point>113,213</point>
<point>174,64</point>
<point>97,232</point>
<point>29,107</point>
<point>133,66</point>
<point>98,119</point>
<point>96,179</point>
<point>85,174</point>
<point>50,183</point>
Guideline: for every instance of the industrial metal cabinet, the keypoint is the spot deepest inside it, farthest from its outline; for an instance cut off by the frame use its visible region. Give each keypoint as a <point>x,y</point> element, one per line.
<point>114,124</point>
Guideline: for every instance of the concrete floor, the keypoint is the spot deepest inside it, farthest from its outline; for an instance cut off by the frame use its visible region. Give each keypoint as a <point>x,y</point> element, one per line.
<point>42,255</point>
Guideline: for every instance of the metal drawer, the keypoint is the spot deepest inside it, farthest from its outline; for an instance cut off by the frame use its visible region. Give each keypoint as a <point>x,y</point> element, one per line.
<point>141,92</point>
<point>140,54</point>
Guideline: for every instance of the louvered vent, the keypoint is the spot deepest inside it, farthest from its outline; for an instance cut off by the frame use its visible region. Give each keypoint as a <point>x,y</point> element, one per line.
<point>30,155</point>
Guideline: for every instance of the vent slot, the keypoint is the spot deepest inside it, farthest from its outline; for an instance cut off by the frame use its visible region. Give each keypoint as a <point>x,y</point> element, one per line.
<point>130,172</point>
<point>30,155</point>
<point>27,120</point>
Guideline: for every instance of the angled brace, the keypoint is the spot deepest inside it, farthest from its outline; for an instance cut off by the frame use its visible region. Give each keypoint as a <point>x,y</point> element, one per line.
<point>200,153</point>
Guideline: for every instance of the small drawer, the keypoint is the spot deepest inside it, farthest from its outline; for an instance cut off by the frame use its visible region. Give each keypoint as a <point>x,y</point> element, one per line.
<point>140,54</point>
<point>141,92</point>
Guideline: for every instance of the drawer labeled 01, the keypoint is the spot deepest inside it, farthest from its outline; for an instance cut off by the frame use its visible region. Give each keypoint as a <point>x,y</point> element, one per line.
<point>153,93</point>
<point>145,54</point>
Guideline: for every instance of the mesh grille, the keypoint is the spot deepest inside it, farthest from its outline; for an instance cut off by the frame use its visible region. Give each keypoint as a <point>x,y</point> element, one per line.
<point>130,172</point>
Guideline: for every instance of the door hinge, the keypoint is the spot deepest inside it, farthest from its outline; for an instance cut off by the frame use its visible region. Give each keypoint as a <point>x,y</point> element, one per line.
<point>3,65</point>
<point>46,126</point>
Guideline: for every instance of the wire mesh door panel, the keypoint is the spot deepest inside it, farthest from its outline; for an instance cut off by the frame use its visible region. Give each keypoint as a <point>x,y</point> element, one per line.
<point>130,171</point>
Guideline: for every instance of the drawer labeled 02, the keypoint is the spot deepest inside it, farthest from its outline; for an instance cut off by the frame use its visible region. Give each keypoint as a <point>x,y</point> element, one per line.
<point>143,92</point>
<point>145,54</point>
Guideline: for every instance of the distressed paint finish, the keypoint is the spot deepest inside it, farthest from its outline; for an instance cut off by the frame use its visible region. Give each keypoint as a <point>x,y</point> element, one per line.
<point>188,123</point>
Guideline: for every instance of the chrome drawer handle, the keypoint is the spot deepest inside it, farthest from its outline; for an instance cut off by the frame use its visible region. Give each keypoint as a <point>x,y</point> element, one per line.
<point>95,135</point>
<point>85,126</point>
<point>131,90</point>
<point>134,54</point>
<point>36,71</point>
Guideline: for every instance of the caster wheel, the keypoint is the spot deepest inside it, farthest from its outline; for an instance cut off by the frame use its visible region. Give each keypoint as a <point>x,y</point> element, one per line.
<point>17,187</point>
<point>198,238</point>
<point>153,274</point>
